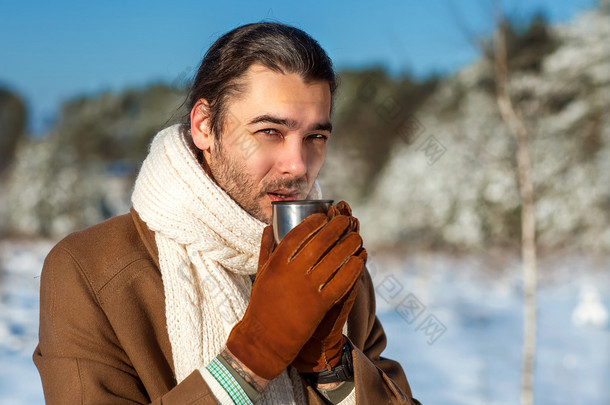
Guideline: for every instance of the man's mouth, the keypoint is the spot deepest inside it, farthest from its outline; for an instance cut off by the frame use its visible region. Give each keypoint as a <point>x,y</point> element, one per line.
<point>283,195</point>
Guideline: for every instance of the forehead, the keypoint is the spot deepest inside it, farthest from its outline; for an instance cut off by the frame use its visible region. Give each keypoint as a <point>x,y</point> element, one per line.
<point>284,94</point>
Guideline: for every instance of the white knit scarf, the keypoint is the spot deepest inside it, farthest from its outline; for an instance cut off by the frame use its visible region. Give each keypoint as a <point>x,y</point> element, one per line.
<point>208,246</point>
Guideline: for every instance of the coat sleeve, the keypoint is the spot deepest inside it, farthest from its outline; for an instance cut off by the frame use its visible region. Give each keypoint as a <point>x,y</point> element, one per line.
<point>378,380</point>
<point>79,357</point>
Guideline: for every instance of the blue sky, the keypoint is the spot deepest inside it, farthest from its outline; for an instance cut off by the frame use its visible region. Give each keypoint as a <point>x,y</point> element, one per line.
<point>51,51</point>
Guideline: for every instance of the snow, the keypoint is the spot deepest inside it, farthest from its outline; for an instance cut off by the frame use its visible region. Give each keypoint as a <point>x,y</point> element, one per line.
<point>470,194</point>
<point>20,265</point>
<point>454,323</point>
<point>590,310</point>
<point>478,358</point>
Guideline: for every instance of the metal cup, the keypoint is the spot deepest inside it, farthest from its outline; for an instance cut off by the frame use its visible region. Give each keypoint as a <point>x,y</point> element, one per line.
<point>288,214</point>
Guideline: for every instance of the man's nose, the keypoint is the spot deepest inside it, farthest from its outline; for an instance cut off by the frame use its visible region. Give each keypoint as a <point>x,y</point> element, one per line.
<point>291,159</point>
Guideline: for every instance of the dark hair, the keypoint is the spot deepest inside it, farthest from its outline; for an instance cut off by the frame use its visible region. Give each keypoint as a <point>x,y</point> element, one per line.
<point>279,47</point>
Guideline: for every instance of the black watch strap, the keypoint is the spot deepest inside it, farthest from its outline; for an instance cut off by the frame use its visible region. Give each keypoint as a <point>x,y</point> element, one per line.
<point>343,372</point>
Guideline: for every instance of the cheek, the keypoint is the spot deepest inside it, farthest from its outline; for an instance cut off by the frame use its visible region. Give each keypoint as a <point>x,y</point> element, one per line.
<point>315,159</point>
<point>258,166</point>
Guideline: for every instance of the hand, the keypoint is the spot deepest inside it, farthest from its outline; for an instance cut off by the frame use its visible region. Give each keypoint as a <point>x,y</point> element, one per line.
<point>324,349</point>
<point>312,269</point>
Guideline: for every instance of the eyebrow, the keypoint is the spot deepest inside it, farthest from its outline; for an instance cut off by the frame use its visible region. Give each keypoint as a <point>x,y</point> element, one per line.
<point>321,126</point>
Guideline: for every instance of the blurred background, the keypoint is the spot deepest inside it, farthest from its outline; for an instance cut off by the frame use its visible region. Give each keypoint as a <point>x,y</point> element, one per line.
<point>420,150</point>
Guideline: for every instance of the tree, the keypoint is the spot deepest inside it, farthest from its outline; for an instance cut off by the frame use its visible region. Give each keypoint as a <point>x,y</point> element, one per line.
<point>513,119</point>
<point>511,50</point>
<point>12,126</point>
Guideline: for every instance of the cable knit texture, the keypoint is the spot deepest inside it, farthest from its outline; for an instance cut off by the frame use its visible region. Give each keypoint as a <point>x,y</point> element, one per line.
<point>208,246</point>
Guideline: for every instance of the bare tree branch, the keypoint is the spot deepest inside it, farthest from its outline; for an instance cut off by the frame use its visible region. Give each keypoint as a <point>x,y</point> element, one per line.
<point>515,123</point>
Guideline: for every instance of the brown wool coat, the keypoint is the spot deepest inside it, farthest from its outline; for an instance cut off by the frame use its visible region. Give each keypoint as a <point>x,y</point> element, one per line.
<point>103,336</point>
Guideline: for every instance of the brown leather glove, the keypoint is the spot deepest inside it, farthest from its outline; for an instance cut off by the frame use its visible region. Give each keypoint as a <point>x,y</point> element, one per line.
<point>312,269</point>
<point>324,349</point>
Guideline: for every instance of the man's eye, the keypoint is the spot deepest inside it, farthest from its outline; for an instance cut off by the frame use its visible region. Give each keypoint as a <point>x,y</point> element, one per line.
<point>269,131</point>
<point>318,137</point>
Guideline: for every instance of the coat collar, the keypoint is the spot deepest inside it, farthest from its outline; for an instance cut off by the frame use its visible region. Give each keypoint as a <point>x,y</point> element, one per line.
<point>147,236</point>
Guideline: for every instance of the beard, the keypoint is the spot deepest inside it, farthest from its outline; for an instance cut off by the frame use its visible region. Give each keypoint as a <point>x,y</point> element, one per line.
<point>231,175</point>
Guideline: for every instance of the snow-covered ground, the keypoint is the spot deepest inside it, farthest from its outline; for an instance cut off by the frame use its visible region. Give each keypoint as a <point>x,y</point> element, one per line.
<point>465,345</point>
<point>20,265</point>
<point>454,327</point>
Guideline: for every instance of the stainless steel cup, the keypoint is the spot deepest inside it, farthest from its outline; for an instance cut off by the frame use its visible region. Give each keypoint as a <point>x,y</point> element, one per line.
<point>288,214</point>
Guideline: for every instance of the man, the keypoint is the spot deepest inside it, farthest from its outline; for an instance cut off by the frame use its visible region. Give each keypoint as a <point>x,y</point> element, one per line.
<point>187,299</point>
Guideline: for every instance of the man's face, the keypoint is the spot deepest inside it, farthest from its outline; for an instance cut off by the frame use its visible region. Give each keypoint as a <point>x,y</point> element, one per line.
<point>273,142</point>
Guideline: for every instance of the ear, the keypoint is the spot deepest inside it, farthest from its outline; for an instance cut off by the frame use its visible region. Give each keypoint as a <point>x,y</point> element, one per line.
<point>200,125</point>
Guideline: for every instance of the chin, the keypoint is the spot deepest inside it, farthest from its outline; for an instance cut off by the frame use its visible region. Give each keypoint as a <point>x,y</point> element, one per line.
<point>268,218</point>
<point>265,213</point>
